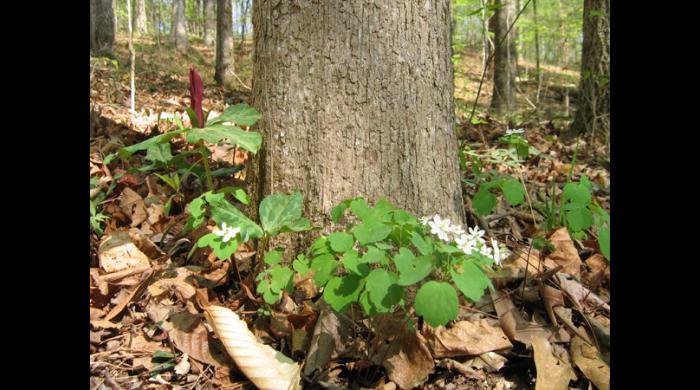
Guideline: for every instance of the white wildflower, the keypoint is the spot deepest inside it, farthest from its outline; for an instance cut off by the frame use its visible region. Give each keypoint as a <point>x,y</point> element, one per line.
<point>476,234</point>
<point>514,131</point>
<point>496,252</point>
<point>440,227</point>
<point>465,244</point>
<point>227,232</point>
<point>486,251</point>
<point>457,230</point>
<point>425,220</point>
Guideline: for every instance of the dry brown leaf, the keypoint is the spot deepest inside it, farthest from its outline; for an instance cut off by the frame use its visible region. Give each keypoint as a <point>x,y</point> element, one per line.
<point>199,345</point>
<point>183,289</point>
<point>513,324</point>
<point>552,373</point>
<point>331,336</point>
<point>403,353</point>
<point>565,253</point>
<point>518,263</point>
<point>587,358</point>
<point>599,270</point>
<point>133,206</point>
<point>117,252</point>
<point>551,297</point>
<point>580,294</point>
<point>103,324</point>
<point>467,338</point>
<point>120,306</point>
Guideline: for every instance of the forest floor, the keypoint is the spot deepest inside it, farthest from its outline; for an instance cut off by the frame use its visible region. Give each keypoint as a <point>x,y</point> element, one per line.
<point>146,332</point>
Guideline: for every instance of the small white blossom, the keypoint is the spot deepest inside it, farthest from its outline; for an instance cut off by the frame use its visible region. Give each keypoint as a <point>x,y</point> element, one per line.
<point>496,252</point>
<point>465,244</point>
<point>514,131</point>
<point>440,227</point>
<point>457,230</point>
<point>425,220</point>
<point>476,234</point>
<point>486,251</point>
<point>227,232</point>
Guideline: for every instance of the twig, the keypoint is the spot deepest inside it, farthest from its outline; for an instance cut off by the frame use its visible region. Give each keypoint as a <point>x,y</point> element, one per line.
<point>239,80</point>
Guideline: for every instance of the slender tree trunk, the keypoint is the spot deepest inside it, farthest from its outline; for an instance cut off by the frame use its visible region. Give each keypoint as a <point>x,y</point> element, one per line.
<point>505,67</point>
<point>159,21</point>
<point>593,113</point>
<point>141,19</point>
<point>224,44</point>
<point>179,29</point>
<point>538,70</point>
<point>209,22</point>
<point>357,100</point>
<point>115,16</point>
<point>486,45</point>
<point>245,6</point>
<point>103,35</point>
<point>132,62</point>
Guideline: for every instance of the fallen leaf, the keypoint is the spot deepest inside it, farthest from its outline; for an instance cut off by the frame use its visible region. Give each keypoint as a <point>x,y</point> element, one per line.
<point>267,368</point>
<point>403,353</point>
<point>103,324</point>
<point>587,358</point>
<point>467,338</point>
<point>565,253</point>
<point>183,367</point>
<point>133,206</point>
<point>120,306</point>
<point>599,270</point>
<point>513,323</point>
<point>331,336</point>
<point>580,294</point>
<point>551,297</point>
<point>552,373</point>
<point>117,252</point>
<point>183,289</point>
<point>199,345</point>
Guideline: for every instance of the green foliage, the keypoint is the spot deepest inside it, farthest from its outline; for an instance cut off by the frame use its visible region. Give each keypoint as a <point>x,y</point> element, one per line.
<point>372,263</point>
<point>484,201</point>
<point>282,213</point>
<point>520,144</point>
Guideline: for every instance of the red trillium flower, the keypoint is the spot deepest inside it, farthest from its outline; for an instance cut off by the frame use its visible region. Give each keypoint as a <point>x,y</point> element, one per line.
<point>196,92</point>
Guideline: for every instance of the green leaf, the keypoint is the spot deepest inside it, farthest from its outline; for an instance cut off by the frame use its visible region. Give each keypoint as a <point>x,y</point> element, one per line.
<point>576,194</point>
<point>484,202</point>
<point>162,355</point>
<point>172,182</point>
<point>412,269</point>
<point>159,153</point>
<point>145,145</point>
<point>281,278</point>
<point>340,242</point>
<point>338,211</point>
<point>321,246</point>
<point>437,303</point>
<point>223,211</point>
<point>342,291</point>
<point>241,114</point>
<point>351,262</point>
<point>237,193</point>
<point>324,267</point>
<point>374,255</point>
<point>248,140</point>
<point>604,241</point>
<point>371,230</point>
<point>274,256</point>
<point>367,306</point>
<point>424,246</point>
<point>384,292</point>
<point>579,219</point>
<point>281,213</point>
<point>471,281</point>
<point>359,207</point>
<point>265,288</point>
<point>402,217</point>
<point>301,265</point>
<point>222,250</point>
<point>513,191</point>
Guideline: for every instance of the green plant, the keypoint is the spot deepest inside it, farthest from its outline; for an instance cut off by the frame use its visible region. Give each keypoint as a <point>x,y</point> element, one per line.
<point>519,143</point>
<point>485,200</point>
<point>388,250</point>
<point>97,197</point>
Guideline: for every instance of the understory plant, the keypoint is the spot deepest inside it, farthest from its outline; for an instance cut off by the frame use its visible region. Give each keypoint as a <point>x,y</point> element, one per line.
<point>383,252</point>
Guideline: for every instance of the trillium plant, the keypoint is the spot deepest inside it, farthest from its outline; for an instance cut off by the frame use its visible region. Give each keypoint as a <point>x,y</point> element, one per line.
<point>385,251</point>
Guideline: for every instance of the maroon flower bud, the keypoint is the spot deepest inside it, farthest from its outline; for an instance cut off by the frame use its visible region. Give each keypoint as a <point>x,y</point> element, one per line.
<point>196,92</point>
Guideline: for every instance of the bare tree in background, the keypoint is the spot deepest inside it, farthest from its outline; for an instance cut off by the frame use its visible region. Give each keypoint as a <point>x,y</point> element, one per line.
<point>141,20</point>
<point>209,22</point>
<point>178,34</point>
<point>505,66</point>
<point>102,38</point>
<point>224,44</point>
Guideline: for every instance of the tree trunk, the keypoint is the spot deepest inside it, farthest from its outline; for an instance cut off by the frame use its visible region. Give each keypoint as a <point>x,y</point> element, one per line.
<point>116,17</point>
<point>132,60</point>
<point>103,36</point>
<point>141,20</point>
<point>538,70</point>
<point>593,113</point>
<point>357,100</point>
<point>505,68</point>
<point>245,6</point>
<point>224,44</point>
<point>178,34</point>
<point>209,22</point>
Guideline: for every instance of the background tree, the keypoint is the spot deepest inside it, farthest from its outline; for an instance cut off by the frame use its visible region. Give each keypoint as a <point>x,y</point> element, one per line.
<point>179,28</point>
<point>224,44</point>
<point>505,65</point>
<point>244,8</point>
<point>593,113</point>
<point>357,101</point>
<point>102,38</point>
<point>141,22</point>
<point>209,22</point>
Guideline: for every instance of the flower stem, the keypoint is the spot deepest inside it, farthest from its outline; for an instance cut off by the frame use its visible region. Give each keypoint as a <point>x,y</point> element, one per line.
<point>205,161</point>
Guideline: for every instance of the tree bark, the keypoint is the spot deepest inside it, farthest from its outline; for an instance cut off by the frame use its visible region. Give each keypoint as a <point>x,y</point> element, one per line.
<point>357,100</point>
<point>141,20</point>
<point>116,17</point>
<point>209,22</point>
<point>505,67</point>
<point>245,6</point>
<point>224,44</point>
<point>178,34</point>
<point>103,35</point>
<point>593,113</point>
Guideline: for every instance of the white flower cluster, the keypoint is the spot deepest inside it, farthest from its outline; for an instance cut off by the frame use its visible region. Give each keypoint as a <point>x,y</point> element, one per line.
<point>514,131</point>
<point>227,232</point>
<point>469,242</point>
